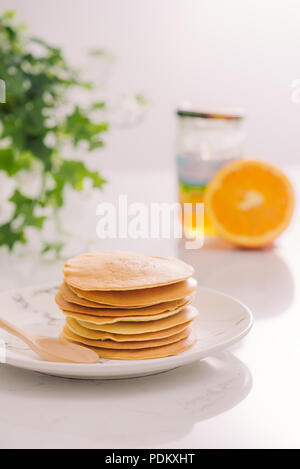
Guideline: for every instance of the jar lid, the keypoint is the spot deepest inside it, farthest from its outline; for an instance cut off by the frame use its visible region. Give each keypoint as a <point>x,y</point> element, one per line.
<point>233,114</point>
<point>2,91</point>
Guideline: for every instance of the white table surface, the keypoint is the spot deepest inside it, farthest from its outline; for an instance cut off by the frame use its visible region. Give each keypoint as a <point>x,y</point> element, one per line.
<point>246,397</point>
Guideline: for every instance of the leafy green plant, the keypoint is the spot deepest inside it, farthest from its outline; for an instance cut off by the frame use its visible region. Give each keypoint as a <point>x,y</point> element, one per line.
<point>38,130</point>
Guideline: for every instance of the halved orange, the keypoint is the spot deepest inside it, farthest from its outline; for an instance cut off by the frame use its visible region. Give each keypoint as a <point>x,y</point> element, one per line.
<point>250,202</point>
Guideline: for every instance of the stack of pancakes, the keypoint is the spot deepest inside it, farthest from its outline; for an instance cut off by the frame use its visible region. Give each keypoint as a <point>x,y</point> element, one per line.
<point>128,306</point>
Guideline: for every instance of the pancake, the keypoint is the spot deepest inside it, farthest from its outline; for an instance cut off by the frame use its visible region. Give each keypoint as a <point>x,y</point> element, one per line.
<point>117,270</point>
<point>66,306</point>
<point>186,314</point>
<point>94,320</point>
<point>69,335</point>
<point>142,297</point>
<point>147,353</point>
<point>71,297</point>
<point>101,335</point>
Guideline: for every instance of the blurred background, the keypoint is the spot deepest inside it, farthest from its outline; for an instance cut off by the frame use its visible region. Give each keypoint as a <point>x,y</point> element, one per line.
<point>209,52</point>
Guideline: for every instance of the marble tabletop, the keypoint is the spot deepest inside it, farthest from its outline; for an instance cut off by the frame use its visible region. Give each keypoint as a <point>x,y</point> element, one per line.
<point>245,397</point>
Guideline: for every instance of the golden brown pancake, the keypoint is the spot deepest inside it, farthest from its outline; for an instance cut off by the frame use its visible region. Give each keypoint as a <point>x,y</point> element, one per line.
<point>117,270</point>
<point>68,334</point>
<point>147,353</point>
<point>66,306</point>
<point>71,297</point>
<point>142,297</point>
<point>87,329</point>
<point>99,335</point>
<point>94,320</point>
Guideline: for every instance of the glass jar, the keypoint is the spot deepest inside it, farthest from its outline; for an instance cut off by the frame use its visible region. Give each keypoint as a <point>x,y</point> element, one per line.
<point>206,141</point>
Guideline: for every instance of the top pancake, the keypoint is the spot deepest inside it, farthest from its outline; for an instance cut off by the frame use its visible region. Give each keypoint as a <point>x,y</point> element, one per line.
<point>117,270</point>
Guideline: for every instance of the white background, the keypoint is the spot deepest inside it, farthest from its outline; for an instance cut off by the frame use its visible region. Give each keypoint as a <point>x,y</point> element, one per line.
<point>210,52</point>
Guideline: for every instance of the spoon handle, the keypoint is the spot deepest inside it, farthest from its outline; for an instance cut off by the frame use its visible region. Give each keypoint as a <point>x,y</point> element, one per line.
<point>16,331</point>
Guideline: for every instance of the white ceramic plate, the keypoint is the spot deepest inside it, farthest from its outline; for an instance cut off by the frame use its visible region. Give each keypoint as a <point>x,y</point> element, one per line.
<point>222,322</point>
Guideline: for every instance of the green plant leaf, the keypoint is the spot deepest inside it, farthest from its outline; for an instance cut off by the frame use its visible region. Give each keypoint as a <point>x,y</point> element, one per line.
<point>80,128</point>
<point>9,237</point>
<point>55,247</point>
<point>75,172</point>
<point>24,210</point>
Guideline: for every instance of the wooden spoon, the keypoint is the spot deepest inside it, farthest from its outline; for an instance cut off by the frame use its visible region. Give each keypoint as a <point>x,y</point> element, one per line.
<point>51,349</point>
